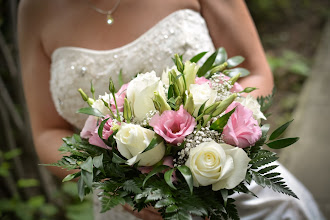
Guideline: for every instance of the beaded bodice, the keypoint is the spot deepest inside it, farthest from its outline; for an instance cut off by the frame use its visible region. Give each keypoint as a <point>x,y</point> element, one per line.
<point>183,32</point>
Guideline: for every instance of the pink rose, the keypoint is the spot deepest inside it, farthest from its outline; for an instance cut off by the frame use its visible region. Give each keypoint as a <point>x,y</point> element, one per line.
<point>202,80</point>
<point>173,126</point>
<point>242,129</point>
<point>89,127</point>
<point>107,131</point>
<point>120,98</point>
<point>236,87</point>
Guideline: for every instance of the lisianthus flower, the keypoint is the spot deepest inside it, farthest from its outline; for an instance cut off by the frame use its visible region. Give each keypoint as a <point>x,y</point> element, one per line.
<point>242,129</point>
<point>173,126</point>
<point>106,132</point>
<point>202,80</point>
<point>120,98</point>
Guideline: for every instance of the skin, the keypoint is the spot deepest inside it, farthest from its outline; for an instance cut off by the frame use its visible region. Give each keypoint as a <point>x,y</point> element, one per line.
<point>44,26</point>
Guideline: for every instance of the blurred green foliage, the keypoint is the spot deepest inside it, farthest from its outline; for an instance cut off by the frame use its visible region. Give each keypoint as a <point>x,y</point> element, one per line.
<point>37,207</point>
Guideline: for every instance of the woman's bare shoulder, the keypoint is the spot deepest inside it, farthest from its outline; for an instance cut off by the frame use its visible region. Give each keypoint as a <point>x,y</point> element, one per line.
<point>34,13</point>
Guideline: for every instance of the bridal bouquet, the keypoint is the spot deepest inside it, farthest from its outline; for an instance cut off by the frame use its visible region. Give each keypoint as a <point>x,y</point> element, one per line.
<point>183,143</point>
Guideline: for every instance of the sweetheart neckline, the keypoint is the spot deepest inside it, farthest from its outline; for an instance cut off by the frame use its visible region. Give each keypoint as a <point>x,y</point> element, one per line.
<point>95,51</point>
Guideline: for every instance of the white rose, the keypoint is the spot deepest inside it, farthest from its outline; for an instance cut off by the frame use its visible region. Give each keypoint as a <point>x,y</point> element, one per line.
<point>202,93</point>
<point>221,165</point>
<point>132,139</point>
<point>99,105</point>
<point>252,104</point>
<point>140,92</point>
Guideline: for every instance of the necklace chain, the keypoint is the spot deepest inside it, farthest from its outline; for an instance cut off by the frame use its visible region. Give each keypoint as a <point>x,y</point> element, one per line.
<point>108,13</point>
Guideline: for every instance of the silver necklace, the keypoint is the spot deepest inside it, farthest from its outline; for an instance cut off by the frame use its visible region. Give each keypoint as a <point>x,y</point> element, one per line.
<point>110,19</point>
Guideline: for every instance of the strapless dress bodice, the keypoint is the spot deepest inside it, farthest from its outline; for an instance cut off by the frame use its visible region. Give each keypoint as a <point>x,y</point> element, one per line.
<point>183,32</point>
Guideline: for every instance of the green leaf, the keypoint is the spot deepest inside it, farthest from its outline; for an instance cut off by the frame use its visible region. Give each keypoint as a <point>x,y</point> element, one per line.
<point>117,159</point>
<point>90,111</point>
<point>282,143</point>
<point>185,171</point>
<point>153,143</point>
<point>221,56</point>
<point>36,201</point>
<point>207,65</point>
<point>100,130</point>
<point>235,61</point>
<point>71,176</point>
<point>87,178</point>
<point>87,165</point>
<point>81,189</point>
<point>221,122</point>
<point>279,131</point>
<point>199,56</point>
<point>153,172</point>
<point>168,178</point>
<point>235,71</point>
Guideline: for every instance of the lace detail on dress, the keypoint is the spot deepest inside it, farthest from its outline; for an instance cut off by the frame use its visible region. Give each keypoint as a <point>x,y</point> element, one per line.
<point>183,32</point>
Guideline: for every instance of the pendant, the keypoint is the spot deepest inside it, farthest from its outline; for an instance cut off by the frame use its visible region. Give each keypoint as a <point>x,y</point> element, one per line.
<point>109,19</point>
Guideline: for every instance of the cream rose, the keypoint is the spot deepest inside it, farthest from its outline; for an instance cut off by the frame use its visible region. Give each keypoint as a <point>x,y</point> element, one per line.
<point>219,165</point>
<point>140,92</point>
<point>132,139</point>
<point>252,104</point>
<point>202,93</point>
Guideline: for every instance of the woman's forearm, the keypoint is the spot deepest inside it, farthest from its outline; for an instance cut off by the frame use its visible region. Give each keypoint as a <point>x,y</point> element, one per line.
<point>47,144</point>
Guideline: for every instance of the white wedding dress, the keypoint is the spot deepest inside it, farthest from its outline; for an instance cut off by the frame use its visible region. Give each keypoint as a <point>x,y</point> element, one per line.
<point>183,32</point>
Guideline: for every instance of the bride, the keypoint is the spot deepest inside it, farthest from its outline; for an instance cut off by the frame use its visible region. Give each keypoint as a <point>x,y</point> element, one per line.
<point>65,44</point>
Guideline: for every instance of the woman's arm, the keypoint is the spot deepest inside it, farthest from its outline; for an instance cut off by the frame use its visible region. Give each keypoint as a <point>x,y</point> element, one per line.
<point>47,126</point>
<point>231,26</point>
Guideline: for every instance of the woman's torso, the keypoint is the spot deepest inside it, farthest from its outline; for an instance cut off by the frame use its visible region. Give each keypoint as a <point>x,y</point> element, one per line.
<point>183,31</point>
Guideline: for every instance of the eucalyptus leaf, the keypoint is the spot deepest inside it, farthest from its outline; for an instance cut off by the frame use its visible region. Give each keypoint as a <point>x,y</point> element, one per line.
<point>235,61</point>
<point>117,159</point>
<point>279,131</point>
<point>207,65</point>
<point>168,178</point>
<point>81,189</point>
<point>235,71</point>
<point>87,165</point>
<point>154,171</point>
<point>282,143</point>
<point>186,173</point>
<point>90,111</point>
<point>199,56</point>
<point>87,178</point>
<point>221,56</point>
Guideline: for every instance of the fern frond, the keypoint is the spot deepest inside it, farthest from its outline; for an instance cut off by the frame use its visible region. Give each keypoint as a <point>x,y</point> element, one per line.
<point>274,184</point>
